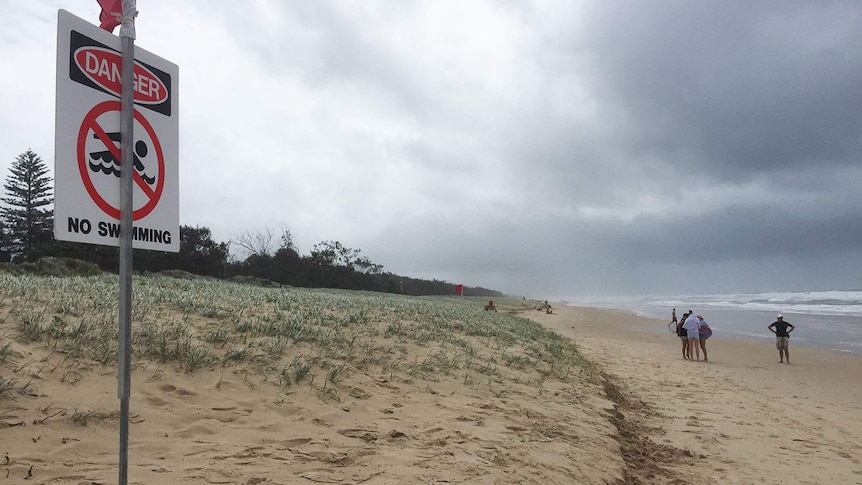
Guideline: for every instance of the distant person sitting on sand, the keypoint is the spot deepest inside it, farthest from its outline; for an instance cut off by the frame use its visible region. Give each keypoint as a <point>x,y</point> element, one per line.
<point>782,330</point>
<point>490,306</point>
<point>545,306</point>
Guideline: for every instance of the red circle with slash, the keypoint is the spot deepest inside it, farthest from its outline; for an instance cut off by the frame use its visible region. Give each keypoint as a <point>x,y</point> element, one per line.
<point>91,125</point>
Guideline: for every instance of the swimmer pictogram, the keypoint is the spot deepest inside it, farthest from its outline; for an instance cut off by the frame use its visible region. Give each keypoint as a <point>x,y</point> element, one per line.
<point>104,161</point>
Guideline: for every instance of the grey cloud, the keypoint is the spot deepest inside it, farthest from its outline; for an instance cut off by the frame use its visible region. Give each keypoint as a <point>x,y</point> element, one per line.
<point>738,88</point>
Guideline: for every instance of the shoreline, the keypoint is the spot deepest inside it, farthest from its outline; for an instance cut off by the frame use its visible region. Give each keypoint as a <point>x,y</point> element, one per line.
<point>656,326</point>
<point>839,332</point>
<point>752,419</point>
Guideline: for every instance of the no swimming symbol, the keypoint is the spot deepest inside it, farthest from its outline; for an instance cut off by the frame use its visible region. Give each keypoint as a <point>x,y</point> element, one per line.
<point>99,161</point>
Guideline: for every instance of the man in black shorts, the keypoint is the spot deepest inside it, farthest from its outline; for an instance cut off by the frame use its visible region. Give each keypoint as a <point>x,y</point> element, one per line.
<point>782,330</point>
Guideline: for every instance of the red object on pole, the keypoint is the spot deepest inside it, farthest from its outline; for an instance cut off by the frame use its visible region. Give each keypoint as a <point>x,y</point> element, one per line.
<point>112,14</point>
<point>459,289</point>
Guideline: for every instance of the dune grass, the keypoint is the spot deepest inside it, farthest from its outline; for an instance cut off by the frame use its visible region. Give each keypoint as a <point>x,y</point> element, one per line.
<point>285,336</point>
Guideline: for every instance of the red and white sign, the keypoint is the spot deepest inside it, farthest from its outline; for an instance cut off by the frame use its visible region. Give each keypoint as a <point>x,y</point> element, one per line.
<point>103,67</point>
<point>87,145</point>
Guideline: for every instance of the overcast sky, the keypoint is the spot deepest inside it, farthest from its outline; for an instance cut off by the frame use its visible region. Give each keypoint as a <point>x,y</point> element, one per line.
<point>553,149</point>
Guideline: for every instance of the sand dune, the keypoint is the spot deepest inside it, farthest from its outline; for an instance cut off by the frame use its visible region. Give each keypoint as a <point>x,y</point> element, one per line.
<point>212,427</point>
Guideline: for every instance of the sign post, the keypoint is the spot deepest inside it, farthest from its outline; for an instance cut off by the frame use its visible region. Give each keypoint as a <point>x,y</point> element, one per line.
<point>116,167</point>
<point>127,170</point>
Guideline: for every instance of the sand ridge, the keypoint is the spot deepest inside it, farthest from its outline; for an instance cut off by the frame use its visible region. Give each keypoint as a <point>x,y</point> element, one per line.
<point>209,428</point>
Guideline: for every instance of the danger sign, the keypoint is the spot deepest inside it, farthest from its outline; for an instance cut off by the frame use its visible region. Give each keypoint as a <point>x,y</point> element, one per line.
<point>87,145</point>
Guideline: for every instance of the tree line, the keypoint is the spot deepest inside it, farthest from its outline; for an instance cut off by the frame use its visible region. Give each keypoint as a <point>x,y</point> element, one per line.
<point>26,235</point>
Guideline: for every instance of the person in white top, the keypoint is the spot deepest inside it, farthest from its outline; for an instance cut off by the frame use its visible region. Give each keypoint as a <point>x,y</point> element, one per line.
<point>692,327</point>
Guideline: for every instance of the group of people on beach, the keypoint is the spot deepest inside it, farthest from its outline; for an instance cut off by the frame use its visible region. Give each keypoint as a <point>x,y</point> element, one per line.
<point>693,331</point>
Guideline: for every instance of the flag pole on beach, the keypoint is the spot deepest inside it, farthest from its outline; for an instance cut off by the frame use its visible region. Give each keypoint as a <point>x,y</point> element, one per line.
<point>123,13</point>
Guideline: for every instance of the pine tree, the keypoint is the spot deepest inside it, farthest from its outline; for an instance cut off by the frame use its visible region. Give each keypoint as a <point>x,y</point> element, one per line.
<point>28,191</point>
<point>5,254</point>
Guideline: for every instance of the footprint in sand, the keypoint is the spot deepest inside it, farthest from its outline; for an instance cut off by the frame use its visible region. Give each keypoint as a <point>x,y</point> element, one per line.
<point>358,393</point>
<point>203,427</point>
<point>366,435</point>
<point>179,390</point>
<point>155,401</point>
<point>294,442</point>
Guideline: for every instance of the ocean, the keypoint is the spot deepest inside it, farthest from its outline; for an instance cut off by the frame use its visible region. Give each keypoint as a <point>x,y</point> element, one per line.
<point>824,319</point>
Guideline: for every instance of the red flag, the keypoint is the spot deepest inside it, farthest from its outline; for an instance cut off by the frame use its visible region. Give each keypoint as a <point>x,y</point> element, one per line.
<point>459,289</point>
<point>112,14</point>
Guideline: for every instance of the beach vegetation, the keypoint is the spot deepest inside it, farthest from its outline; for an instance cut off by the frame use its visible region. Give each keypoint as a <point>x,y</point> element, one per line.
<point>6,352</point>
<point>335,374</point>
<point>277,335</point>
<point>300,369</point>
<point>81,418</point>
<point>12,387</point>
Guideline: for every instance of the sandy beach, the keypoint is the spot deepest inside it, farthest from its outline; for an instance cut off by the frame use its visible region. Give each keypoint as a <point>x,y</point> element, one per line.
<point>635,413</point>
<point>746,417</point>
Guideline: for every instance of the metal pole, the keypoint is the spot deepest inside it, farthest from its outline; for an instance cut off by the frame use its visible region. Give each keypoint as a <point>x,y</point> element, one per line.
<point>127,169</point>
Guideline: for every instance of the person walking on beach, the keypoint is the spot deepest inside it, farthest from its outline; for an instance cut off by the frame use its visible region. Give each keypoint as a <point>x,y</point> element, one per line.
<point>782,330</point>
<point>692,327</point>
<point>682,333</point>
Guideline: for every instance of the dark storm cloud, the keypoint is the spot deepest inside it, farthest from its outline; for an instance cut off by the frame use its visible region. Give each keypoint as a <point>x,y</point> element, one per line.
<point>731,88</point>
